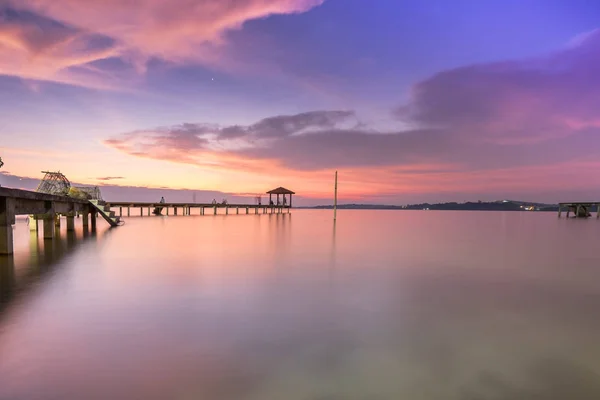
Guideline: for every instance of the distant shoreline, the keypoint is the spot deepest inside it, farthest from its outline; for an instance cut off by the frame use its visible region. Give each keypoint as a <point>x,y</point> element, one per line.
<point>504,205</point>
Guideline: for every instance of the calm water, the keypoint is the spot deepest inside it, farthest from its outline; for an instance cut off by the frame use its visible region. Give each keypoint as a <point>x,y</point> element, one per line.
<point>385,305</point>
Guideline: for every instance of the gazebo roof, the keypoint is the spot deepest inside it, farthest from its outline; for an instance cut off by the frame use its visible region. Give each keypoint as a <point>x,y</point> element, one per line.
<point>280,190</point>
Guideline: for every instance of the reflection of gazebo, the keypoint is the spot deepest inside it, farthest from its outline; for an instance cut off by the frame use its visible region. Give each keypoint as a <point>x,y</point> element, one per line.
<point>282,191</point>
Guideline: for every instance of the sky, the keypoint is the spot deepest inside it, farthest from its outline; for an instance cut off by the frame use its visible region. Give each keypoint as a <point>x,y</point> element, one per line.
<point>410,100</point>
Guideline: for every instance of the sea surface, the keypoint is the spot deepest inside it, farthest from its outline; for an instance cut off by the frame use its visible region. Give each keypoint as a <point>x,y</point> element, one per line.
<point>415,305</point>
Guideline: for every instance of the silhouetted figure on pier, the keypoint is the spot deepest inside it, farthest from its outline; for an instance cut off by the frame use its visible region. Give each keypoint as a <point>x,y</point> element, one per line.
<point>158,210</point>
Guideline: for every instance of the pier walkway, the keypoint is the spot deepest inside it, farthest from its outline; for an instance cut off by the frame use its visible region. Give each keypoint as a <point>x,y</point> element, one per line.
<point>43,206</point>
<point>200,208</point>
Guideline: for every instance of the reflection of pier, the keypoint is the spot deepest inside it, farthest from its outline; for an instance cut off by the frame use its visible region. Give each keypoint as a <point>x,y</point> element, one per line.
<point>19,275</point>
<point>579,209</point>
<point>43,206</point>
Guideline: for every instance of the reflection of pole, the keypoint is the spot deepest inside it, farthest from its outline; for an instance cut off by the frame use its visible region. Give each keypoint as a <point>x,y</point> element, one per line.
<point>335,199</point>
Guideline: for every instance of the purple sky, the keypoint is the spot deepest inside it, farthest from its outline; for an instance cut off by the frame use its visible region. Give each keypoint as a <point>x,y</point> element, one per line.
<point>410,100</point>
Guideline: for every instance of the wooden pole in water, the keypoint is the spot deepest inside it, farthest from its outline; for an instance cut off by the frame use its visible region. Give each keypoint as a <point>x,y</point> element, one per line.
<point>335,198</point>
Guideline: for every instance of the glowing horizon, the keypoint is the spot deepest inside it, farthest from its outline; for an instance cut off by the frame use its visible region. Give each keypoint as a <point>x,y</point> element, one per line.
<point>242,97</point>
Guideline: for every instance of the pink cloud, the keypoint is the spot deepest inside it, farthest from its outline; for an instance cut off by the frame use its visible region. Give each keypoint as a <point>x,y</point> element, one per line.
<point>519,101</point>
<point>54,39</point>
<point>33,48</point>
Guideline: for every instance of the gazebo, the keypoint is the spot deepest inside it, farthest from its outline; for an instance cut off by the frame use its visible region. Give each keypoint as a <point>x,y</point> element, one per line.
<point>281,191</point>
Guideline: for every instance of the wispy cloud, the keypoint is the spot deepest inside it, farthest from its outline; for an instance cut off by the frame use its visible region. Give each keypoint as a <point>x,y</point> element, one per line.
<point>102,44</point>
<point>110,178</point>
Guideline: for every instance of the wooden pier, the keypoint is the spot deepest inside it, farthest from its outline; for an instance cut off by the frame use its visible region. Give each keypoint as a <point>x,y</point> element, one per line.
<point>49,207</point>
<point>45,207</point>
<point>273,207</point>
<point>579,209</point>
<point>123,209</point>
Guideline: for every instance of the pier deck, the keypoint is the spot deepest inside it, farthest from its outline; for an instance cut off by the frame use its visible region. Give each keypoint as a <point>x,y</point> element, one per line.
<point>581,209</point>
<point>44,206</point>
<point>186,208</point>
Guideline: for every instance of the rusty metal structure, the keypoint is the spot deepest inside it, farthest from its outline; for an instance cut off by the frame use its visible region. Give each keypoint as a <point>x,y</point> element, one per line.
<point>54,183</point>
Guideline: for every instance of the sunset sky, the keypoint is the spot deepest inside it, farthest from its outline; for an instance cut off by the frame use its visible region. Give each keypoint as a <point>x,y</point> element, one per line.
<point>410,100</point>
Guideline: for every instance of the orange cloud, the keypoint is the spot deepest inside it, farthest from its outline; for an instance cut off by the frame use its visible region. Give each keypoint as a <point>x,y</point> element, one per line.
<point>56,40</point>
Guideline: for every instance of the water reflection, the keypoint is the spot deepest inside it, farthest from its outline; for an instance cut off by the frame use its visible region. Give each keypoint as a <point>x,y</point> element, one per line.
<point>23,271</point>
<point>380,305</point>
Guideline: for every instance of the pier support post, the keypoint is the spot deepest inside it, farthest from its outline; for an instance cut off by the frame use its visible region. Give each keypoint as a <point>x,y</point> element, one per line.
<point>237,210</point>
<point>174,210</point>
<point>85,219</point>
<point>120,211</point>
<point>93,218</point>
<point>33,223</point>
<point>49,226</point>
<point>167,208</point>
<point>226,210</point>
<point>6,239</point>
<point>128,211</point>
<point>57,220</point>
<point>7,218</point>
<point>148,211</point>
<point>559,210</point>
<point>70,222</point>
<point>598,211</point>
<point>256,210</point>
<point>215,211</point>
<point>141,211</point>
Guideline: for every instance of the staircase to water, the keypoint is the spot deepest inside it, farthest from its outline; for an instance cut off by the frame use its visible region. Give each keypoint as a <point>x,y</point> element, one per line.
<point>105,212</point>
